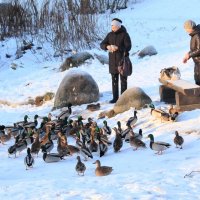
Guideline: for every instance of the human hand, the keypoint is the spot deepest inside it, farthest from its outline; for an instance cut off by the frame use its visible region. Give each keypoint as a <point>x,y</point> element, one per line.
<point>109,47</point>
<point>186,58</point>
<point>114,48</point>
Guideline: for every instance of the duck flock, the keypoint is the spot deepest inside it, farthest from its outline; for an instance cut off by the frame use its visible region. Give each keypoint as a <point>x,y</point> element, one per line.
<point>89,138</point>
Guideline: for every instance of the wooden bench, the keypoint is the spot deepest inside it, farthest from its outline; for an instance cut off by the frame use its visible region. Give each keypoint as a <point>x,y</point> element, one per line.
<point>184,94</point>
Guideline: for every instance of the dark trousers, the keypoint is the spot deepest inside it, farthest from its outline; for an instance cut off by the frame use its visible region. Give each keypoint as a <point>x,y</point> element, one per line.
<point>115,84</point>
<point>197,73</point>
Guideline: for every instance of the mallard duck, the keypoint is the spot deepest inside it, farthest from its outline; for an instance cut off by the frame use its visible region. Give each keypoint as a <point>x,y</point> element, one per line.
<point>80,166</point>
<point>172,110</point>
<point>20,145</point>
<point>35,147</point>
<point>125,133</point>
<point>62,147</point>
<point>48,146</point>
<point>174,116</point>
<point>178,140</point>
<point>136,142</point>
<point>85,152</point>
<point>103,148</point>
<point>107,130</point>
<point>2,130</point>
<point>118,142</point>
<point>132,120</point>
<point>21,123</point>
<point>155,112</point>
<point>158,146</point>
<point>102,170</point>
<point>119,127</point>
<point>93,107</point>
<point>5,137</point>
<point>52,157</point>
<point>65,113</point>
<point>93,146</point>
<point>32,124</point>
<point>29,160</point>
<point>73,149</point>
<point>12,150</point>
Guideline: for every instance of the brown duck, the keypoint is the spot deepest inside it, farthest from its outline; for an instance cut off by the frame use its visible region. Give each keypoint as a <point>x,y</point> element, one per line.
<point>80,167</point>
<point>118,142</point>
<point>178,140</point>
<point>35,148</point>
<point>102,170</point>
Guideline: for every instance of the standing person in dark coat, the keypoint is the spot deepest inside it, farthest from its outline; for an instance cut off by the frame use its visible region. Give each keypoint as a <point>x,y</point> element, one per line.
<point>194,31</point>
<point>118,44</point>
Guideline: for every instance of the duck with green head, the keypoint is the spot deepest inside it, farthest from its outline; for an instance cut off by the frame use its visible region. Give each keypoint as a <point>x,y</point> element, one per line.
<point>158,146</point>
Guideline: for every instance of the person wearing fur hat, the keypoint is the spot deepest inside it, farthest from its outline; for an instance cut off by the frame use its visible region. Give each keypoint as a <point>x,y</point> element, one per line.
<point>194,31</point>
<point>118,44</point>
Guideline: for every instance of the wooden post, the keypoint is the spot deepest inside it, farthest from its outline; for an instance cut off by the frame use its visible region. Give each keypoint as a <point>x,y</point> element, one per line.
<point>167,95</point>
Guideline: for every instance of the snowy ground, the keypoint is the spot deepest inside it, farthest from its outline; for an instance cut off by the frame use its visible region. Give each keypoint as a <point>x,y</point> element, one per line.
<point>137,174</point>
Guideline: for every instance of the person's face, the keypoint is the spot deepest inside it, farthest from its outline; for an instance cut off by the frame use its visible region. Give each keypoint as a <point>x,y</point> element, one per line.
<point>115,28</point>
<point>189,30</point>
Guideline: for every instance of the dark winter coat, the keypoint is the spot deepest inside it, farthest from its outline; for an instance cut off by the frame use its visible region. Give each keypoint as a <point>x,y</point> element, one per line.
<point>195,45</point>
<point>121,39</point>
<point>195,52</point>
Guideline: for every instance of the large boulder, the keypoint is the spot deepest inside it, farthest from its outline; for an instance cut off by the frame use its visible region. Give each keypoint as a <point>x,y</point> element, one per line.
<point>78,88</point>
<point>147,51</point>
<point>75,60</point>
<point>133,97</point>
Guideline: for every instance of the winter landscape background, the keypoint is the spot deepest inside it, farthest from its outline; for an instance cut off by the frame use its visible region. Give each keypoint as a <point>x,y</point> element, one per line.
<point>137,174</point>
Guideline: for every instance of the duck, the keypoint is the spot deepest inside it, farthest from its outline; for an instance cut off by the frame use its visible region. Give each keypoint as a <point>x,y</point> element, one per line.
<point>36,145</point>
<point>20,145</point>
<point>29,160</point>
<point>62,147</point>
<point>107,130</point>
<point>130,131</point>
<point>103,148</point>
<point>80,166</point>
<point>178,140</point>
<point>172,110</point>
<point>102,170</point>
<point>132,120</point>
<point>174,116</point>
<point>52,157</point>
<point>93,107</point>
<point>136,142</point>
<point>155,112</point>
<point>21,123</point>
<point>125,133</point>
<point>5,137</point>
<point>65,113</point>
<point>118,142</point>
<point>93,146</point>
<point>48,146</point>
<point>2,130</point>
<point>85,152</point>
<point>12,150</point>
<point>119,127</point>
<point>158,146</point>
<point>33,124</point>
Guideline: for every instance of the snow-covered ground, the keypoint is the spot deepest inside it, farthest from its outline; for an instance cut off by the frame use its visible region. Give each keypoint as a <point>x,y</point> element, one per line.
<point>137,174</point>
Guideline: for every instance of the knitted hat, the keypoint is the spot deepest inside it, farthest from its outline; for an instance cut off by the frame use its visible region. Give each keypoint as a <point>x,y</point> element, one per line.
<point>116,22</point>
<point>189,24</point>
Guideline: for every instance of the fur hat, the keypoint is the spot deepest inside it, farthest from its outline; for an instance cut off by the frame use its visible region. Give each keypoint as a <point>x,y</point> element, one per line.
<point>117,19</point>
<point>189,24</point>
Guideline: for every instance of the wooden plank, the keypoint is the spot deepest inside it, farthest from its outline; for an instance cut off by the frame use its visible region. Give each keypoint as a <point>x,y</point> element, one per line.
<point>182,86</point>
<point>182,100</point>
<point>188,107</point>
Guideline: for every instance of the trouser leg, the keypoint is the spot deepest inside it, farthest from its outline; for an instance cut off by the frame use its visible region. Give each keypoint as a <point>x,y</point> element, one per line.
<point>197,74</point>
<point>123,83</point>
<point>115,87</point>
